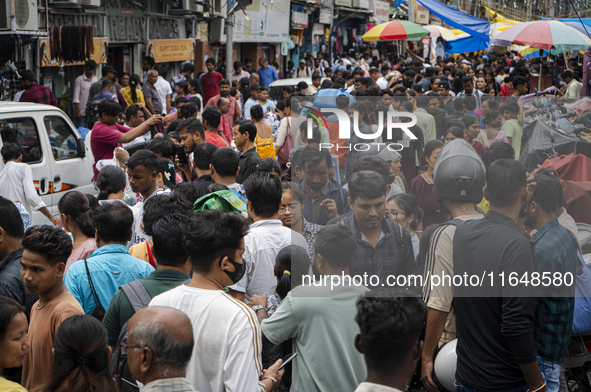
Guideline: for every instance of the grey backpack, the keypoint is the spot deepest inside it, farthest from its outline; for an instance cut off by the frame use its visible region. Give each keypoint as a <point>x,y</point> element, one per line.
<point>139,298</point>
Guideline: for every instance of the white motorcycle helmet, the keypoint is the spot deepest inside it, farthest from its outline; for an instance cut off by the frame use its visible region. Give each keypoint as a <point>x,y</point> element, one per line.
<point>444,367</point>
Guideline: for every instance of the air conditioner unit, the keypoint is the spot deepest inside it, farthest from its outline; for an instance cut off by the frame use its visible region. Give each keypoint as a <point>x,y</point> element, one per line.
<point>217,30</point>
<point>187,7</point>
<point>24,14</point>
<point>219,8</point>
<point>364,4</point>
<point>75,3</point>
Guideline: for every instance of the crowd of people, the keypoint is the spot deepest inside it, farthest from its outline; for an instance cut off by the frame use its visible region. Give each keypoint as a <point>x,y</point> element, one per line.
<point>190,268</point>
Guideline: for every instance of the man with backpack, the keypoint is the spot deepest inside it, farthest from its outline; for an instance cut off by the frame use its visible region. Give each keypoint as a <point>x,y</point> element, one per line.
<point>94,281</point>
<point>173,269</point>
<point>458,199</point>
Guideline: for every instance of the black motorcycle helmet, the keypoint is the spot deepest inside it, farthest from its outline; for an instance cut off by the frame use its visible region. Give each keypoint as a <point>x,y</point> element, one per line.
<point>459,174</point>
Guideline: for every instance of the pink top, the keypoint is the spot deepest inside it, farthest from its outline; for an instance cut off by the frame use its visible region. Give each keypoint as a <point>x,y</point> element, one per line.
<point>103,140</point>
<point>501,137</point>
<point>84,251</point>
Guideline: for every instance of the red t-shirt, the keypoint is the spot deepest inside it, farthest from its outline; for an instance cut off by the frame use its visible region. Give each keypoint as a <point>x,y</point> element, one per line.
<point>216,139</point>
<point>103,140</point>
<point>477,146</point>
<point>210,84</point>
<point>225,128</point>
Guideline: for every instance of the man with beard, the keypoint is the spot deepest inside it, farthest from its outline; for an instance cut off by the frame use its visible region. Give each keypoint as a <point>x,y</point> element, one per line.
<point>234,113</point>
<point>324,199</point>
<point>383,247</point>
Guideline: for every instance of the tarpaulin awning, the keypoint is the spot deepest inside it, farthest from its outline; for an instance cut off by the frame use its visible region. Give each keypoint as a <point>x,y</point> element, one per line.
<point>465,45</point>
<point>586,21</point>
<point>479,29</point>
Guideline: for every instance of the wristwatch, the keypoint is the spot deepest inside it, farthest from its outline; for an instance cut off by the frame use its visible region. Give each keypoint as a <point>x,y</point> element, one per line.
<point>125,161</point>
<point>256,308</point>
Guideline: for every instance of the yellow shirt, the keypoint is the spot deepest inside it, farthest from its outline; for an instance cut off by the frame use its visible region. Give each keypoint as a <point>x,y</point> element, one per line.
<point>126,92</point>
<point>484,205</point>
<point>265,147</point>
<point>9,386</point>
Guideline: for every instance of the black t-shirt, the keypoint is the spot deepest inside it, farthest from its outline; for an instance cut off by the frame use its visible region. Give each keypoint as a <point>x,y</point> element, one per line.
<point>494,323</point>
<point>410,146</point>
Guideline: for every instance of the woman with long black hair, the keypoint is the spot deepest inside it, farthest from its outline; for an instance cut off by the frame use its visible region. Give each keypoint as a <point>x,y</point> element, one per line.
<point>82,357</point>
<point>132,94</point>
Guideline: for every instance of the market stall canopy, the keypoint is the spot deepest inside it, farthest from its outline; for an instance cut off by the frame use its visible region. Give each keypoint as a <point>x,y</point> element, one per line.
<point>477,28</point>
<point>585,21</point>
<point>395,30</point>
<point>440,31</point>
<point>543,35</point>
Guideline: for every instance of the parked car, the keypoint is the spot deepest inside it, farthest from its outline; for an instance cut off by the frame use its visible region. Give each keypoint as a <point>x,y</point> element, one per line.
<point>59,158</point>
<point>276,88</point>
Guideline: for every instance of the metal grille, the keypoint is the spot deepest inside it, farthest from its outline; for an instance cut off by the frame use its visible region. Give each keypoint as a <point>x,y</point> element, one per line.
<point>22,12</point>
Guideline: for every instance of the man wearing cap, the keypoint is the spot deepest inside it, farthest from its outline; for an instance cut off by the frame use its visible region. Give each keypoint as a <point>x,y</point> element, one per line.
<point>107,72</point>
<point>253,100</point>
<point>34,92</point>
<point>81,90</point>
<point>303,71</point>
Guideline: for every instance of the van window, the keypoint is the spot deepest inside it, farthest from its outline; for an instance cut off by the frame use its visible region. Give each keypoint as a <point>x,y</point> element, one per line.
<point>22,131</point>
<point>61,138</point>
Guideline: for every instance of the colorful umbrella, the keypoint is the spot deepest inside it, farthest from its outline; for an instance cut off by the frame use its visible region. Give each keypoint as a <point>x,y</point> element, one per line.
<point>394,30</point>
<point>440,31</point>
<point>529,52</point>
<point>496,28</point>
<point>542,34</point>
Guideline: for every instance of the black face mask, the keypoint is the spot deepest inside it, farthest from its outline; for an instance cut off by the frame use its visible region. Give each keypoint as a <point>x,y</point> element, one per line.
<point>238,270</point>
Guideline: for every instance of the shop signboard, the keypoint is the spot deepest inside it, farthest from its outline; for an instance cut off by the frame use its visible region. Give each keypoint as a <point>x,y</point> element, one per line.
<point>171,50</point>
<point>101,48</point>
<point>318,29</point>
<point>265,22</point>
<point>381,11</point>
<point>422,15</point>
<point>343,3</point>
<point>325,16</point>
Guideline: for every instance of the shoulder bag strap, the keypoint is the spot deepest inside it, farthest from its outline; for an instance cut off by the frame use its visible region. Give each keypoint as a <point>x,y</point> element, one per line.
<point>92,290</point>
<point>137,295</point>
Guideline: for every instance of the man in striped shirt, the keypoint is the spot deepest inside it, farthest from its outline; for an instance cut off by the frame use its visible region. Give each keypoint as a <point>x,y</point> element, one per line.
<point>227,351</point>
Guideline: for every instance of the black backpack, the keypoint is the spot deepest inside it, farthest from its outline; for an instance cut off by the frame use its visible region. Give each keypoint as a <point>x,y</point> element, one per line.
<point>139,298</point>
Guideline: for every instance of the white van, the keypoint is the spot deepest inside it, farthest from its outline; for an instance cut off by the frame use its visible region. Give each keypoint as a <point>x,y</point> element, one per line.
<point>52,146</point>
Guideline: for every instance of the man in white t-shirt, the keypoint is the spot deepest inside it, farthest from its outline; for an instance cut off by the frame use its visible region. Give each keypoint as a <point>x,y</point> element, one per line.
<point>164,90</point>
<point>266,237</point>
<point>227,352</point>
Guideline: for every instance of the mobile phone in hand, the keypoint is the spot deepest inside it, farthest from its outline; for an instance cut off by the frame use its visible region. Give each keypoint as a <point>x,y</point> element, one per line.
<point>287,359</point>
<point>180,152</point>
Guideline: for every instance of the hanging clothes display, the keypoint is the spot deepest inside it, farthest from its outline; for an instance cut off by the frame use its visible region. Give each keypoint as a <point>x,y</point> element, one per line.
<point>71,43</point>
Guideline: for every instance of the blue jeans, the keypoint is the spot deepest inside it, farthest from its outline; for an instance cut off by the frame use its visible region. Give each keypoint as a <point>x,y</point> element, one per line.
<point>551,373</point>
<point>463,388</point>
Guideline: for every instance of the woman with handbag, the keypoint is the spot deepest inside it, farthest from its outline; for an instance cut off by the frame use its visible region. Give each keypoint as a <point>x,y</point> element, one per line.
<point>283,144</point>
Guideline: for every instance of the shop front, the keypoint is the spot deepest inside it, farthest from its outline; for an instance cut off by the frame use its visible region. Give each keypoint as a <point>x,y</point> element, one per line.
<point>59,73</point>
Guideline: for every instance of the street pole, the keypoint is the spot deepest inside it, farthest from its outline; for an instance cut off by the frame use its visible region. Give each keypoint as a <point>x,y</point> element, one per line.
<point>229,42</point>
